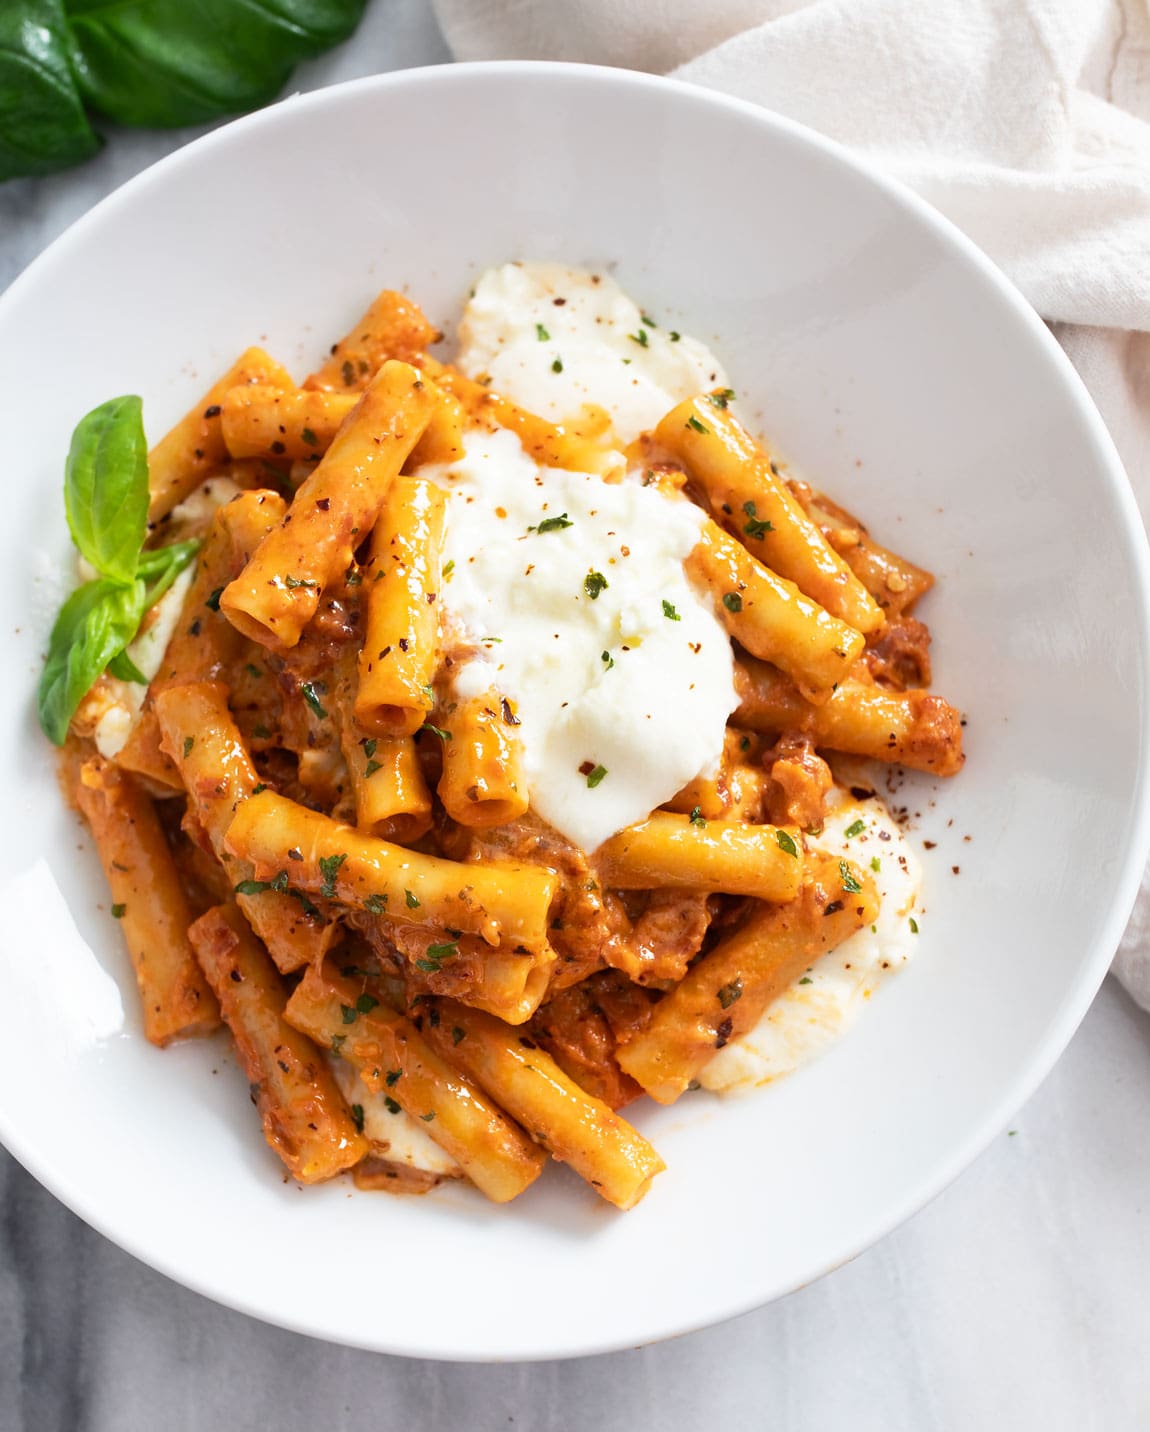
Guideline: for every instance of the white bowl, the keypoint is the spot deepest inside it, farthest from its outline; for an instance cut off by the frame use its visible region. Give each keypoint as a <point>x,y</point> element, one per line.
<point>900,371</point>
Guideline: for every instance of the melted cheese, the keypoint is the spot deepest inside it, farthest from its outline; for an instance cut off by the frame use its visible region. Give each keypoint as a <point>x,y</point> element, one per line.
<point>826,1001</point>
<point>393,1135</point>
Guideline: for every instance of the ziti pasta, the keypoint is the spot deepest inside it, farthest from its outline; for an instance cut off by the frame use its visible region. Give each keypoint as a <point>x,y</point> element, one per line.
<point>462,734</point>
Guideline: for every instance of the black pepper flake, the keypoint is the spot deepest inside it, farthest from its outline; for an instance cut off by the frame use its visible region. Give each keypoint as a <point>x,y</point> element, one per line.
<point>323,503</point>
<point>509,716</point>
<point>833,908</point>
<point>213,411</point>
<point>723,1033</point>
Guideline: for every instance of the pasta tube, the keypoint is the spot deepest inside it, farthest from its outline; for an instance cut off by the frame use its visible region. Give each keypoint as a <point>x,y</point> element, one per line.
<point>505,904</point>
<point>392,1057</point>
<point>757,506</point>
<point>205,744</point>
<point>203,642</point>
<point>770,616</point>
<point>674,852</point>
<point>270,422</point>
<point>393,327</point>
<point>401,641</point>
<point>914,728</point>
<point>482,783</point>
<point>195,447</point>
<point>149,902</point>
<point>725,994</point>
<point>577,447</point>
<point>572,1125</point>
<point>391,797</point>
<point>277,593</point>
<point>305,1119</point>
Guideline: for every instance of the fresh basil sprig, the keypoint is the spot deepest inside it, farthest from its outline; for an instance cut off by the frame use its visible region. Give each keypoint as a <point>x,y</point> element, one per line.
<point>106,487</point>
<point>106,501</point>
<point>95,624</point>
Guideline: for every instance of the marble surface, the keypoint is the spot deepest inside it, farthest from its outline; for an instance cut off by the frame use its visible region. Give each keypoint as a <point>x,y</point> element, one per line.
<point>1019,1299</point>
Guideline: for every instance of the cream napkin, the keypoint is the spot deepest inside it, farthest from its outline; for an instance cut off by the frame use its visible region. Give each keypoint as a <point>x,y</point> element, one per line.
<point>1024,121</point>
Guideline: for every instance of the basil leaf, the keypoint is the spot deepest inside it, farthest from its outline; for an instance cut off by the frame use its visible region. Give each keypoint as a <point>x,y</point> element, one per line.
<point>95,624</point>
<point>106,487</point>
<point>123,668</point>
<point>42,122</point>
<point>162,566</point>
<point>170,62</point>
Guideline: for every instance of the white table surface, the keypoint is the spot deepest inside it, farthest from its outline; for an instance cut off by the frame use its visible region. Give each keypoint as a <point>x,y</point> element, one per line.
<point>1019,1299</point>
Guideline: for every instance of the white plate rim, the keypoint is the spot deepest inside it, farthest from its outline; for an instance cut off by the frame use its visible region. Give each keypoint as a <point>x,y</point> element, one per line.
<point>1094,965</point>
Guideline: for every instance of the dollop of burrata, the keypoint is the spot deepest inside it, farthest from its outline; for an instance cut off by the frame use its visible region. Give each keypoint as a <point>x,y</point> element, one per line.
<point>556,339</point>
<point>574,592</point>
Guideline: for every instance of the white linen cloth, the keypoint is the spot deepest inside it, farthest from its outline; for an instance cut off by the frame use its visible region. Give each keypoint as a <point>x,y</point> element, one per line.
<point>1026,122</point>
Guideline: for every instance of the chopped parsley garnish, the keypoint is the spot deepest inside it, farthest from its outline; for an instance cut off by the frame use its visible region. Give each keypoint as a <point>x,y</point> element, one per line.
<point>553,524</point>
<point>436,731</point>
<point>365,1004</point>
<point>650,322</point>
<point>252,669</point>
<point>427,1118</point>
<point>913,925</point>
<point>875,864</point>
<point>594,583</point>
<point>213,602</point>
<point>371,768</point>
<point>729,993</point>
<point>262,786</point>
<point>850,884</point>
<point>390,1105</point>
<point>309,437</point>
<point>669,611</point>
<point>755,526</point>
<point>640,338</point>
<point>257,887</point>
<point>119,911</point>
<point>456,1034</point>
<point>595,775</point>
<point>328,869</point>
<point>732,601</point>
<point>806,979</point>
<point>449,568</point>
<point>369,743</point>
<point>693,422</point>
<point>786,842</point>
<point>189,742</point>
<point>292,582</point>
<point>392,1077</point>
<point>721,398</point>
<point>311,696</point>
<point>675,336</point>
<point>856,827</point>
<point>347,1014</point>
<point>412,902</point>
<point>337,1042</point>
<point>375,904</point>
<point>435,955</point>
<point>556,367</point>
<point>357,1117</point>
<point>696,816</point>
<point>541,333</point>
<point>607,659</point>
